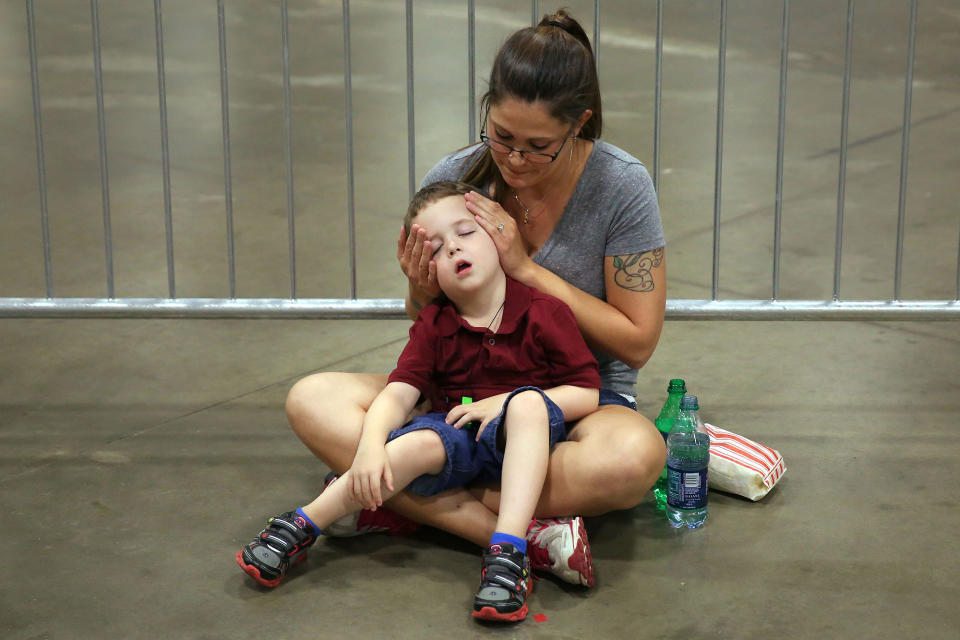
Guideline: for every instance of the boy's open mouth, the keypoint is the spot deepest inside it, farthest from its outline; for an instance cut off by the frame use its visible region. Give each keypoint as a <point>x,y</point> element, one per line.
<point>462,265</point>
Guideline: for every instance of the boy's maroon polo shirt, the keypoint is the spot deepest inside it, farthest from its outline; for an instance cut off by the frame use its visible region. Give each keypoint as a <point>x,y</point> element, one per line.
<point>538,344</point>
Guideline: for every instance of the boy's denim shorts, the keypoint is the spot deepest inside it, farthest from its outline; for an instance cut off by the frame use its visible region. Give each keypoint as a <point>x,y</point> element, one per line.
<point>612,397</point>
<point>468,460</point>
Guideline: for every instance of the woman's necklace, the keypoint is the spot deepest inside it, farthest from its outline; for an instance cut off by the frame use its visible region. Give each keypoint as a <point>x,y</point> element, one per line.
<point>494,319</point>
<point>526,210</point>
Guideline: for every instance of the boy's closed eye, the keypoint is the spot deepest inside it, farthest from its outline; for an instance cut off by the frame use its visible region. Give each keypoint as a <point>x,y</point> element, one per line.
<point>439,245</point>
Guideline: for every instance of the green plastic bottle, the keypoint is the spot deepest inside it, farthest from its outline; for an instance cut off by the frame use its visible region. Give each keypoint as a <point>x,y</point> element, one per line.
<point>664,422</point>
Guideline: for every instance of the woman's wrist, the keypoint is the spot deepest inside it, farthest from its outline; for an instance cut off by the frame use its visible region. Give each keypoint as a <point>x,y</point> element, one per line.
<point>414,297</point>
<point>526,273</point>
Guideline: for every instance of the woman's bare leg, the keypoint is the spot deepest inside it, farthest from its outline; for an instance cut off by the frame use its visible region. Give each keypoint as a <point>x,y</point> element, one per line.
<point>326,411</point>
<point>610,460</point>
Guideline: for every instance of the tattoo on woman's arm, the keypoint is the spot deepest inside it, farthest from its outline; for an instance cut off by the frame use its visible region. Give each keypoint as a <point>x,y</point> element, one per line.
<point>634,272</point>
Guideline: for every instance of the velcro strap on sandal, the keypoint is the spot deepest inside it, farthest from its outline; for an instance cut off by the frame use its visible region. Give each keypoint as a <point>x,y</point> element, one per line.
<point>502,571</point>
<point>283,534</point>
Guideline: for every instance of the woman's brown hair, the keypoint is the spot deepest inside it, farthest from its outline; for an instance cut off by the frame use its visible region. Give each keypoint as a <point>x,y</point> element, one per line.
<point>551,63</point>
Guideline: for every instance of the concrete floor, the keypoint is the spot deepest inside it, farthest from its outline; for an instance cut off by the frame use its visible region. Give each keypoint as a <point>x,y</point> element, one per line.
<point>139,455</point>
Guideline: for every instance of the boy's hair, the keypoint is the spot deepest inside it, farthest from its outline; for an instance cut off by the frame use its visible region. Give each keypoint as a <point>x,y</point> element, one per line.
<point>430,194</point>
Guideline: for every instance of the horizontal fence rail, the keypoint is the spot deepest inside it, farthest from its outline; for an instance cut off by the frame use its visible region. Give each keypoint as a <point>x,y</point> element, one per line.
<point>773,308</point>
<point>370,308</point>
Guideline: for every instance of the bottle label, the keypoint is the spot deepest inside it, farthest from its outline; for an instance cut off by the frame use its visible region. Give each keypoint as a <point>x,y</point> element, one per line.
<point>686,489</point>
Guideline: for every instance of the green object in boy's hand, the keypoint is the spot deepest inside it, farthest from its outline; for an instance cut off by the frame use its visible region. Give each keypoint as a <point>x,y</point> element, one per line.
<point>468,400</point>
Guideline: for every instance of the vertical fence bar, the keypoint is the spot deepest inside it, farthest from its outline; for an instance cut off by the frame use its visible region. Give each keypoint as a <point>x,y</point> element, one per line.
<point>164,147</point>
<point>471,71</point>
<point>348,108</point>
<point>844,122</point>
<point>596,34</point>
<point>411,116</point>
<point>41,156</point>
<point>781,129</point>
<point>718,177</point>
<point>956,295</point>
<point>102,139</point>
<point>225,122</point>
<point>534,13</point>
<point>905,149</point>
<point>657,93</point>
<point>288,145</point>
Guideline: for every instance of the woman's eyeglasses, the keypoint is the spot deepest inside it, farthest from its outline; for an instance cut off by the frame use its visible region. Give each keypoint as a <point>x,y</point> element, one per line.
<point>538,157</point>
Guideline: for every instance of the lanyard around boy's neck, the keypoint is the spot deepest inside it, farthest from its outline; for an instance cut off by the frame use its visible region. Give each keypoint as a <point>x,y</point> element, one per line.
<point>476,361</point>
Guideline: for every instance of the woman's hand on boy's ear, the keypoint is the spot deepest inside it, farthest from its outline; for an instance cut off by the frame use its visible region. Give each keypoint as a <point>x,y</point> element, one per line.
<point>414,255</point>
<point>502,228</point>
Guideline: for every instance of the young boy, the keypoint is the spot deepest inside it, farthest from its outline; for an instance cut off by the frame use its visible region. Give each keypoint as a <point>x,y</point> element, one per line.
<point>515,352</point>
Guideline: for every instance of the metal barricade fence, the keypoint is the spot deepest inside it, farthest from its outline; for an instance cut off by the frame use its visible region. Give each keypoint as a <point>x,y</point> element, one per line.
<point>772,308</point>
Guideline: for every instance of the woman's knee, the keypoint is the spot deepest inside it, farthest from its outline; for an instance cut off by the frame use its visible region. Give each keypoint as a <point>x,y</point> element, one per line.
<point>301,391</point>
<point>643,454</point>
<point>306,396</point>
<point>629,457</point>
<point>326,410</point>
<point>330,393</point>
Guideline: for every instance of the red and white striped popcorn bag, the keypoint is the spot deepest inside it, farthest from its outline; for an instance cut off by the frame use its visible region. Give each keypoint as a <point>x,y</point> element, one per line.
<point>741,466</point>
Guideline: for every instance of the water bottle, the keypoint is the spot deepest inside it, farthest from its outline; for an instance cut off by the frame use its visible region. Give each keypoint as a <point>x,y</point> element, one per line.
<point>688,454</point>
<point>664,422</point>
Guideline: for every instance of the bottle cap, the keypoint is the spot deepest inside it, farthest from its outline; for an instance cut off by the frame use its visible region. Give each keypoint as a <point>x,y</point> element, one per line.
<point>676,384</point>
<point>689,402</point>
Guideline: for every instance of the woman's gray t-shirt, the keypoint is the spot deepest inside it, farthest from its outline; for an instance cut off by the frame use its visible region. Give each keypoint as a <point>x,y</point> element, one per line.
<point>613,212</point>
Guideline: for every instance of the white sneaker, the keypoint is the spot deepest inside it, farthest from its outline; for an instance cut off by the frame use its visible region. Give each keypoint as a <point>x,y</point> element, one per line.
<point>560,546</point>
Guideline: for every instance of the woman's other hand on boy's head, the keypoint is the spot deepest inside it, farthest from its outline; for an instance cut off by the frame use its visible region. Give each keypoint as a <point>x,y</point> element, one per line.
<point>414,254</point>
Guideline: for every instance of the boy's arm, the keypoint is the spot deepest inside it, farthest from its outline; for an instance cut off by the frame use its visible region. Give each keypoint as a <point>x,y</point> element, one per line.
<point>574,401</point>
<point>388,411</point>
<point>371,467</point>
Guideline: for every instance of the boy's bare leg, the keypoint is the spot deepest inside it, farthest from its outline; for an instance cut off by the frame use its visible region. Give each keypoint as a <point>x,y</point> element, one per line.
<point>525,457</point>
<point>411,455</point>
<point>326,411</point>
